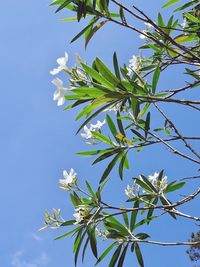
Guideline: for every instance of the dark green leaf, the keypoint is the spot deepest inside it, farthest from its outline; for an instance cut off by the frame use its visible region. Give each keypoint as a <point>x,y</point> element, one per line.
<point>67,223</point>
<point>116,66</point>
<point>105,253</point>
<point>115,256</point>
<point>173,187</point>
<point>147,124</point>
<point>93,31</point>
<point>155,79</point>
<point>90,189</point>
<point>110,167</point>
<point>67,2</point>
<point>134,215</point>
<point>122,257</point>
<point>139,255</point>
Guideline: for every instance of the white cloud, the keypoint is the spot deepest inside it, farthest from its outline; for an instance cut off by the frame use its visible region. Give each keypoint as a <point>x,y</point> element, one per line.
<point>19,261</point>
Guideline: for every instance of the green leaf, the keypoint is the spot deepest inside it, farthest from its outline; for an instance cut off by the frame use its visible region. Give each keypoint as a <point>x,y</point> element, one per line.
<point>106,155</point>
<point>93,31</point>
<point>170,3</point>
<point>111,125</point>
<point>94,20</point>
<point>67,223</point>
<point>155,79</point>
<point>148,183</point>
<point>116,225</point>
<point>160,20</point>
<point>122,257</point>
<point>110,167</point>
<point>104,70</point>
<point>88,109</point>
<point>150,212</point>
<point>144,185</point>
<point>125,217</point>
<point>77,245</point>
<point>173,187</point>
<point>94,152</point>
<point>93,242</point>
<point>102,138</point>
<point>90,189</point>
<point>95,75</point>
<point>191,17</point>
<point>147,124</point>
<point>116,66</point>
<point>121,165</point>
<point>139,255</point>
<point>120,125</point>
<point>68,233</point>
<point>84,248</point>
<point>115,256</point>
<point>105,253</point>
<point>142,236</point>
<point>186,5</point>
<point>134,215</point>
<point>165,201</point>
<point>68,19</point>
<point>94,115</point>
<point>67,2</point>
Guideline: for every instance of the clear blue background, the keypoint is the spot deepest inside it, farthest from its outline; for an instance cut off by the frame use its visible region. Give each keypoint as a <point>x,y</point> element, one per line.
<point>37,139</point>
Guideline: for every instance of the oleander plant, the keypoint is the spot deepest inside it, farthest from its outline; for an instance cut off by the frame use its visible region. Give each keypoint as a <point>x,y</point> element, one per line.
<point>128,98</point>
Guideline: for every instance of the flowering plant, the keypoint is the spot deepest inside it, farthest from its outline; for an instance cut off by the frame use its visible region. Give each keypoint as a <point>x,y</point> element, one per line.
<point>133,92</point>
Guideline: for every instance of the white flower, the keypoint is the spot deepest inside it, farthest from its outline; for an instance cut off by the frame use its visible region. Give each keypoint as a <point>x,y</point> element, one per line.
<point>98,125</point>
<point>59,94</point>
<point>69,179</point>
<point>114,108</point>
<point>184,24</point>
<point>87,134</point>
<point>77,217</point>
<point>134,64</point>
<point>81,213</point>
<point>129,191</point>
<point>160,185</point>
<point>81,74</point>
<point>93,127</point>
<point>61,65</point>
<point>132,191</point>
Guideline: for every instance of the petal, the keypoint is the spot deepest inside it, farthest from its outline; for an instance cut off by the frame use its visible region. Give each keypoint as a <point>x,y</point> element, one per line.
<point>56,95</point>
<point>61,101</point>
<point>55,71</point>
<point>65,174</point>
<point>58,82</point>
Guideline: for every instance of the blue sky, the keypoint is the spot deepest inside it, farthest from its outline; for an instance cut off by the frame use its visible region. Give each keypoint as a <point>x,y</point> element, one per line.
<point>37,139</point>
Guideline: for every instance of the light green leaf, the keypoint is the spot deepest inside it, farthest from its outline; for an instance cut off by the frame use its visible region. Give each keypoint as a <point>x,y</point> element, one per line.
<point>170,3</point>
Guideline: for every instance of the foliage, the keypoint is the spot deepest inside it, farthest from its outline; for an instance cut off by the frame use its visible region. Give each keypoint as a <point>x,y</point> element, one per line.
<point>128,96</point>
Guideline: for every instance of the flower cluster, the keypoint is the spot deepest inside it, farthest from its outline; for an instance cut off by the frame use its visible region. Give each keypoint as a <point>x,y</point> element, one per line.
<point>134,64</point>
<point>148,29</point>
<point>62,61</point>
<point>81,212</point>
<point>102,233</point>
<point>132,191</point>
<point>93,127</point>
<point>53,221</point>
<point>59,94</point>
<point>159,184</point>
<point>69,180</point>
